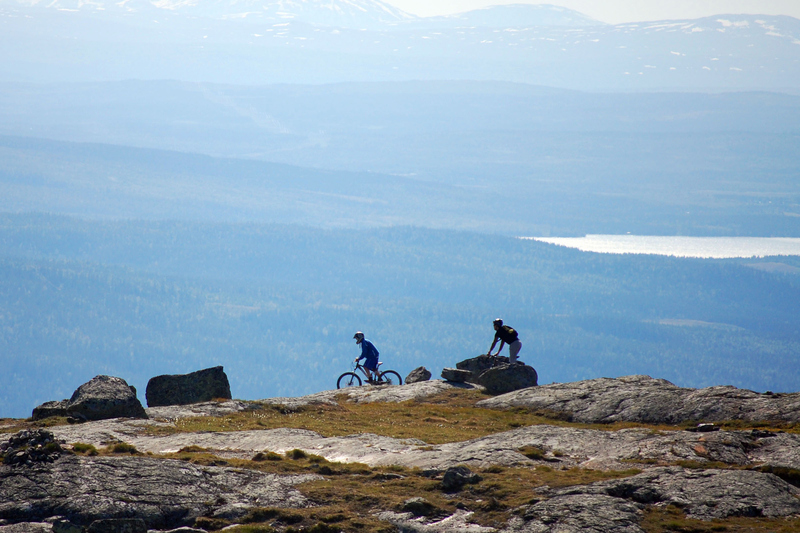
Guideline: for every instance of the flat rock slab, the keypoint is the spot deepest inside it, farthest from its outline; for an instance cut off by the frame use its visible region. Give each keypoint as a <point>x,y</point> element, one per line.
<point>164,493</point>
<point>456,523</point>
<point>704,494</point>
<point>653,401</point>
<point>579,513</point>
<point>588,448</point>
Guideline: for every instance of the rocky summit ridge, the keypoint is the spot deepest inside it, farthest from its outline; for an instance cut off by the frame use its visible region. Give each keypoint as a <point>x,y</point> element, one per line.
<point>606,455</point>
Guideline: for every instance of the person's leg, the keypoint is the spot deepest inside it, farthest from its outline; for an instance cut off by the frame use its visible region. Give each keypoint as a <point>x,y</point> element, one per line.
<point>513,350</point>
<point>372,370</point>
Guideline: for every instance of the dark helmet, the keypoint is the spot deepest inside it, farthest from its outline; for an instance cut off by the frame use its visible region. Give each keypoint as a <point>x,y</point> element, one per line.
<point>498,322</point>
<point>358,336</point>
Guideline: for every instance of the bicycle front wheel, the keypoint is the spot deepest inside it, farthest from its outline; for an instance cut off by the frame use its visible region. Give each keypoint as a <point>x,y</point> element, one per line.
<point>390,377</point>
<point>348,379</point>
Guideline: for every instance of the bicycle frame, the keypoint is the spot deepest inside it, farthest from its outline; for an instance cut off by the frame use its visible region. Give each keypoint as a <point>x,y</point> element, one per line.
<point>376,373</point>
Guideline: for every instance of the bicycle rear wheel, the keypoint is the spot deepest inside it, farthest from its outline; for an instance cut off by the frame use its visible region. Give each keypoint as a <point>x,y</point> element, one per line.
<point>348,379</point>
<point>390,377</point>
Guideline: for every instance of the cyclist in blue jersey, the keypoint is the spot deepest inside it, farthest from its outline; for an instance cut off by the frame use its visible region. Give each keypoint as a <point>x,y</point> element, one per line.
<point>369,353</point>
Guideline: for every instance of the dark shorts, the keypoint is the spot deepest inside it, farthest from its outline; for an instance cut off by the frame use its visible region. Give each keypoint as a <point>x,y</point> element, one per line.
<point>371,364</point>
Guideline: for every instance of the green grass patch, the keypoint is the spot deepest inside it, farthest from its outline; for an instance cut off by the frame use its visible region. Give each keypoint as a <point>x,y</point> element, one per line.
<point>447,417</point>
<point>120,448</point>
<point>84,449</point>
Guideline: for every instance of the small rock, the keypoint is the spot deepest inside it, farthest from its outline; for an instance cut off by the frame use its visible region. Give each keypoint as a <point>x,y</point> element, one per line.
<point>458,476</point>
<point>418,507</point>
<point>418,374</point>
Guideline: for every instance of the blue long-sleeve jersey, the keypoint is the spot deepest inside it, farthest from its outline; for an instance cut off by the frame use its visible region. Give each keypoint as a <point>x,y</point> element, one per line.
<point>370,353</point>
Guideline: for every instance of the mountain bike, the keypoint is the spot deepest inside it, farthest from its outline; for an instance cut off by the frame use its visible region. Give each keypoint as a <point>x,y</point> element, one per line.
<point>351,379</point>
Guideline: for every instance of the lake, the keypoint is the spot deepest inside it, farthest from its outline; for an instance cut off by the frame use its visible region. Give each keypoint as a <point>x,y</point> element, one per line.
<point>705,247</point>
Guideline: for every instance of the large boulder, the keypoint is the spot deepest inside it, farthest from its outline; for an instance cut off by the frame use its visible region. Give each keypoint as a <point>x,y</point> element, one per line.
<point>506,378</point>
<point>105,397</point>
<point>183,389</point>
<point>417,375</point>
<point>498,374</point>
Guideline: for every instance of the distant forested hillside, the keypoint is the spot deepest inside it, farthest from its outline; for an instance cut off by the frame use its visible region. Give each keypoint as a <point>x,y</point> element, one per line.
<point>508,182</point>
<point>277,306</point>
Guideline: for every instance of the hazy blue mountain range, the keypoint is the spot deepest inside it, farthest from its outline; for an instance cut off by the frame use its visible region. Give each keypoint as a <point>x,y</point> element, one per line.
<point>277,305</point>
<point>308,42</point>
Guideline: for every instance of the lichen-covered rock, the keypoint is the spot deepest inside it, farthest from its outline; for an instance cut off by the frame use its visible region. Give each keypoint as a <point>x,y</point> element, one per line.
<point>105,397</point>
<point>182,389</point>
<point>648,400</point>
<point>417,375</point>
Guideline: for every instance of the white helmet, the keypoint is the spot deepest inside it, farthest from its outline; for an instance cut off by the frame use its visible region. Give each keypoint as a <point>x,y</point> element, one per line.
<point>358,336</point>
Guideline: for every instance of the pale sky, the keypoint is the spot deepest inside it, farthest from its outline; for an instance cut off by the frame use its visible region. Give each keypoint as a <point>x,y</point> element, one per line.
<point>617,11</point>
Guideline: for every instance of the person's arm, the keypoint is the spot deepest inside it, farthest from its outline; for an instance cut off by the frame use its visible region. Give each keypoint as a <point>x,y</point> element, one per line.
<point>502,343</point>
<point>492,346</point>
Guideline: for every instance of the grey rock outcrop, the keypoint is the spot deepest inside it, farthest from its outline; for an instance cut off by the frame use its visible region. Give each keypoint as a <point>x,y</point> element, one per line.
<point>163,493</point>
<point>648,400</point>
<point>417,375</point>
<point>105,397</point>
<point>182,389</point>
